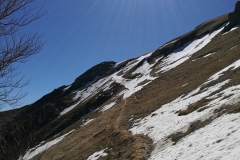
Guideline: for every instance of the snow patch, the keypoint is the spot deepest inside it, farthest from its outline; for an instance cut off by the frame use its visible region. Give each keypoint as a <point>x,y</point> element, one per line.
<point>135,62</point>
<point>184,85</point>
<point>87,122</point>
<point>171,42</point>
<point>229,96</point>
<point>66,110</point>
<point>233,66</point>
<point>184,53</point>
<point>97,155</point>
<point>41,148</point>
<point>133,85</point>
<point>66,88</point>
<point>234,28</point>
<point>210,54</point>
<point>233,47</point>
<point>106,107</point>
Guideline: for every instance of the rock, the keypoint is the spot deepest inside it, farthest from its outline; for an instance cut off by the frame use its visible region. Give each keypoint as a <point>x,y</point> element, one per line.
<point>233,18</point>
<point>237,7</point>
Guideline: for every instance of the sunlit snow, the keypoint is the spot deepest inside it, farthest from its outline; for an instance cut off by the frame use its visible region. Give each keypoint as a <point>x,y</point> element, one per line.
<point>168,43</point>
<point>66,110</point>
<point>97,155</point>
<point>108,106</point>
<point>234,28</point>
<point>167,121</point>
<point>218,140</point>
<point>182,54</point>
<point>131,85</point>
<point>233,47</point>
<point>218,74</point>
<point>87,122</point>
<point>210,54</point>
<point>66,88</point>
<point>207,55</point>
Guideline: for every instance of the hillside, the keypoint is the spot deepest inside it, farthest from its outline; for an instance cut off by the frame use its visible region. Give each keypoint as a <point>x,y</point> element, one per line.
<point>180,101</point>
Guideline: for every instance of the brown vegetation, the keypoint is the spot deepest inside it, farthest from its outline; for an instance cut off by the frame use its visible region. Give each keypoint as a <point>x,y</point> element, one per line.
<point>110,129</point>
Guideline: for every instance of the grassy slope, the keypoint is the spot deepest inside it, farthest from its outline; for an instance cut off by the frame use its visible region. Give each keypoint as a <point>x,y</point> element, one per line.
<point>110,129</point>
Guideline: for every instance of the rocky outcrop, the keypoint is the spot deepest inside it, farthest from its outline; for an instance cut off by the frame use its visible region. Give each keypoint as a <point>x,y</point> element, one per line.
<point>233,18</point>
<point>90,75</point>
<point>237,7</point>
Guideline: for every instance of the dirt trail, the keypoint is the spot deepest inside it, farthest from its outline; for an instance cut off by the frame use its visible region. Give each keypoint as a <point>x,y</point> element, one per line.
<point>119,118</point>
<point>142,144</point>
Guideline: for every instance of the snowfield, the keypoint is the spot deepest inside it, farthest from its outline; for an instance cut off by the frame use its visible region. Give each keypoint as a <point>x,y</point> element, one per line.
<point>218,140</point>
<point>166,122</point>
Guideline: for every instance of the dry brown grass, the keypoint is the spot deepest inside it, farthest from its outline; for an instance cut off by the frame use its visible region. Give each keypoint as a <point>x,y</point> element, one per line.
<point>175,137</point>
<point>110,129</point>
<point>228,109</point>
<point>106,131</point>
<point>193,107</point>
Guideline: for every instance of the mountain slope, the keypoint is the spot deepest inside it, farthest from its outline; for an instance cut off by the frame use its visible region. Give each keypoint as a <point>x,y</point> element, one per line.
<point>180,101</point>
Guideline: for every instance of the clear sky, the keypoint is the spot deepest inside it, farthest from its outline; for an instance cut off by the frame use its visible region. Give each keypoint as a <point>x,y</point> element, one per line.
<point>79,34</point>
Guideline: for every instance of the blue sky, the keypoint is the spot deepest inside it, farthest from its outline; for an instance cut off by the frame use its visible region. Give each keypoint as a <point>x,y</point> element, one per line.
<point>79,34</point>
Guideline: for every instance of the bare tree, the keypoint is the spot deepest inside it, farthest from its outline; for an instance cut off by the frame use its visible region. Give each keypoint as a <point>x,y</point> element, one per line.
<point>16,47</point>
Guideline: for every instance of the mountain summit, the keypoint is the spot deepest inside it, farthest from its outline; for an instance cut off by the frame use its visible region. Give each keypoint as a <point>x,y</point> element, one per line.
<point>180,101</point>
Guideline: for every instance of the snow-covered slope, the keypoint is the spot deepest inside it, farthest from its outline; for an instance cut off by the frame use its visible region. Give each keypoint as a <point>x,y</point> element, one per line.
<point>180,101</point>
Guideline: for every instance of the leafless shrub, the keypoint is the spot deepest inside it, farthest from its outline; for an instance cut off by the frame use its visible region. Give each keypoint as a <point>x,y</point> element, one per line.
<point>16,47</point>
